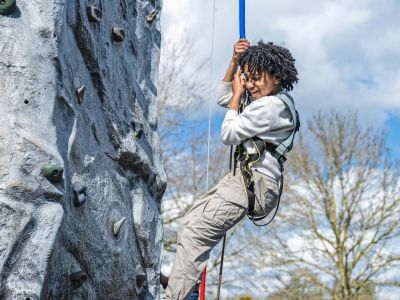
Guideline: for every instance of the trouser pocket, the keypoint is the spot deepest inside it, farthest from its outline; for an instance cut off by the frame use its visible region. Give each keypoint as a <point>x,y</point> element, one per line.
<point>223,213</point>
<point>266,190</point>
<point>231,189</point>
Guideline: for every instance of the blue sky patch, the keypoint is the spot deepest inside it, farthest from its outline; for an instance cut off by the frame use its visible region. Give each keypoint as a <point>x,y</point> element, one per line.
<point>393,138</point>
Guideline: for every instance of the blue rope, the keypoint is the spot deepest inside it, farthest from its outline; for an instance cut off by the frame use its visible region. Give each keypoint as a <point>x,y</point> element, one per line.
<point>242,17</point>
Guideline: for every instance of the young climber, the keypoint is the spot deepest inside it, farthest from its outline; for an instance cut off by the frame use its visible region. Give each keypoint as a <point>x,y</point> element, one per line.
<point>266,71</point>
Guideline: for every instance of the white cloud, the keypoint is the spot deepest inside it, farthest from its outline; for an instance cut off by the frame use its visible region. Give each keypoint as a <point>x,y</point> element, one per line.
<point>345,50</point>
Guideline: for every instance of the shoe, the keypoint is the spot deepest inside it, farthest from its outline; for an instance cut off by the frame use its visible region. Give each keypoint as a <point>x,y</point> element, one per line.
<point>194,295</point>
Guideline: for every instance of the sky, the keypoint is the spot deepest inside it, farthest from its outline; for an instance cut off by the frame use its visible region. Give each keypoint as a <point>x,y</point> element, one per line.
<point>346,51</point>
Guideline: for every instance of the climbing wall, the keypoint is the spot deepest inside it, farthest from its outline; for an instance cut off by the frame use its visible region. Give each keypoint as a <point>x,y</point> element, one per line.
<point>81,177</point>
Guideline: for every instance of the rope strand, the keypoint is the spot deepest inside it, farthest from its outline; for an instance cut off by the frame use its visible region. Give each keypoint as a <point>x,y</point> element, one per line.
<point>203,283</point>
<point>210,94</point>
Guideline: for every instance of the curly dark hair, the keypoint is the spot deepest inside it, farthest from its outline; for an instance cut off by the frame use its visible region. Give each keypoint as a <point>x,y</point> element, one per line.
<point>275,59</point>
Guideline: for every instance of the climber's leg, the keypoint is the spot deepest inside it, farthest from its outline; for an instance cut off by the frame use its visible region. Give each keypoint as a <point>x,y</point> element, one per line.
<point>204,226</point>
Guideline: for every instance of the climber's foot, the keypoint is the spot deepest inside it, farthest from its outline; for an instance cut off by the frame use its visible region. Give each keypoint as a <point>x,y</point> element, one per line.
<point>194,295</point>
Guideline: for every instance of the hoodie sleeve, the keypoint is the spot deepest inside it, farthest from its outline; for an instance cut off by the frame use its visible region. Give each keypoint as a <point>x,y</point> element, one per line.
<point>224,94</point>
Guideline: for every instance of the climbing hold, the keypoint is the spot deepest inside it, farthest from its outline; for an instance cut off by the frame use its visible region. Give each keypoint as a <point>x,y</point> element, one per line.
<point>164,280</point>
<point>151,13</point>
<point>140,279</point>
<point>94,14</point>
<point>79,195</point>
<point>53,173</point>
<point>117,226</point>
<point>7,6</point>
<point>77,279</point>
<point>80,92</point>
<point>118,34</point>
<point>139,133</point>
<point>138,129</point>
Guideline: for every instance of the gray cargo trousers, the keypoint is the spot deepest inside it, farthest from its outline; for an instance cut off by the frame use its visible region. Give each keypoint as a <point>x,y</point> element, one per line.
<point>210,217</point>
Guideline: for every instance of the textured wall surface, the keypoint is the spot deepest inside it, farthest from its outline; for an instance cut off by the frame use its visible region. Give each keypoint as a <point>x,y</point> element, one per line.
<point>81,177</point>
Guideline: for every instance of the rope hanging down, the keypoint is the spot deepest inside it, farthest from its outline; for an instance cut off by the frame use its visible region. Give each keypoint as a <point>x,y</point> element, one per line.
<point>203,279</point>
<point>210,94</point>
<point>242,34</point>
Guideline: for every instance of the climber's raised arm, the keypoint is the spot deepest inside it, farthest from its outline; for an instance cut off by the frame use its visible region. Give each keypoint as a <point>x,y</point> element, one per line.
<point>225,88</point>
<point>240,47</point>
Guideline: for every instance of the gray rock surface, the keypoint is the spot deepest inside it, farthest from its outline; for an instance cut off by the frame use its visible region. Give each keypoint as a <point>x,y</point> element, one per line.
<point>78,94</point>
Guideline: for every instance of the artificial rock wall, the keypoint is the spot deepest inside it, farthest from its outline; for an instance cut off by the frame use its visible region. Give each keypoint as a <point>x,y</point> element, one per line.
<point>81,177</point>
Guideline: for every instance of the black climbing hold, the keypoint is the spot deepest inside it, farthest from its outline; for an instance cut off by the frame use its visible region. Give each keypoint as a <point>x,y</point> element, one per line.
<point>94,14</point>
<point>164,280</point>
<point>77,279</point>
<point>118,34</point>
<point>80,92</point>
<point>138,129</point>
<point>53,173</point>
<point>26,101</point>
<point>140,279</point>
<point>79,195</point>
<point>7,6</point>
<point>151,15</point>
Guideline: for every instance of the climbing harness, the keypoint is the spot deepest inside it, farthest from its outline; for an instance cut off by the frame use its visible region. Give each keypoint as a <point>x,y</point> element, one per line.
<point>247,160</point>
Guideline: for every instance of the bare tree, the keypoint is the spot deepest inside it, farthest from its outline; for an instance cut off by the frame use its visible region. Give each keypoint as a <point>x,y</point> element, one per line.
<point>338,227</point>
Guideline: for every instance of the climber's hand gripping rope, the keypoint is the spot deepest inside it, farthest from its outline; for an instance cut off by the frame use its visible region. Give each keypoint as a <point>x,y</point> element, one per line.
<point>240,47</point>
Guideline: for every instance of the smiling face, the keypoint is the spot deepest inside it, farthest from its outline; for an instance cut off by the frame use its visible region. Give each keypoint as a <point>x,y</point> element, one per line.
<point>260,84</point>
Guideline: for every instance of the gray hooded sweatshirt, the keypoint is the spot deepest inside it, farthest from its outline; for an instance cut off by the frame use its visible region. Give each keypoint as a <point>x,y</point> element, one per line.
<point>268,118</point>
